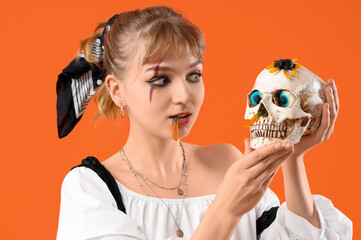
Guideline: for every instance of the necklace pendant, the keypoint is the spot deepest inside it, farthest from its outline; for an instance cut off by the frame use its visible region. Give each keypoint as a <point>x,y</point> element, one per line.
<point>180,192</point>
<point>179,233</point>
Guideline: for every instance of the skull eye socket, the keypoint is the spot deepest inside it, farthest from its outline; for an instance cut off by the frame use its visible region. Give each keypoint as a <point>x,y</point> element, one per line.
<point>284,98</point>
<point>255,98</point>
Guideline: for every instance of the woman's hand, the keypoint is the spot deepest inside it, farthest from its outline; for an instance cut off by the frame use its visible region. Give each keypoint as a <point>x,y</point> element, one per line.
<point>297,190</point>
<point>329,115</point>
<point>247,180</point>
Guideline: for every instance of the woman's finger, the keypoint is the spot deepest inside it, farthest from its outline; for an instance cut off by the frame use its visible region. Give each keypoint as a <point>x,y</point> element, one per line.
<point>332,109</point>
<point>261,153</point>
<point>268,181</point>
<point>247,147</point>
<point>331,101</point>
<point>267,162</point>
<point>265,173</point>
<point>335,94</point>
<point>325,123</point>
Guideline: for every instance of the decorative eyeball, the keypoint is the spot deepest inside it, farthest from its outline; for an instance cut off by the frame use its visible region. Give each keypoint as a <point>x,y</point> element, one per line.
<point>284,98</point>
<point>255,98</point>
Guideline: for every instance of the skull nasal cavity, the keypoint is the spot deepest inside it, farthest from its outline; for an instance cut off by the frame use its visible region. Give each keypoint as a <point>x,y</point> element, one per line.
<point>261,106</point>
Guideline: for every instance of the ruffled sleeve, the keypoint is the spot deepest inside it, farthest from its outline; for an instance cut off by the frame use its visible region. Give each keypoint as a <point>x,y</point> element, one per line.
<point>280,223</point>
<point>89,211</point>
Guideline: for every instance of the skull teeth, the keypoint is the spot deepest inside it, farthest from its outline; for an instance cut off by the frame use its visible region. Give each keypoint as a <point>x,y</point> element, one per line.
<point>268,130</point>
<point>268,133</point>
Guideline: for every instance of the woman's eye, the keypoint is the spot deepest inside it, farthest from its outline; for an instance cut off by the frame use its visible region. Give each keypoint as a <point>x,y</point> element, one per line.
<point>159,81</point>
<point>285,99</point>
<point>194,77</point>
<point>256,97</point>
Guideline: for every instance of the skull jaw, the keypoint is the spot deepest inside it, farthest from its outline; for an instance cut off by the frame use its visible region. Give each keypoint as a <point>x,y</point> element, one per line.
<point>295,130</point>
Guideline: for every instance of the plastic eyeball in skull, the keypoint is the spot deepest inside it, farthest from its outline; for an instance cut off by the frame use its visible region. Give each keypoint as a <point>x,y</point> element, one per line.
<point>291,107</point>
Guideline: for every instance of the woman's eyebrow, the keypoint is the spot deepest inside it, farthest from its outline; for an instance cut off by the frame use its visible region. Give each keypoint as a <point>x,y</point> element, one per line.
<point>159,68</point>
<point>165,68</point>
<point>195,63</point>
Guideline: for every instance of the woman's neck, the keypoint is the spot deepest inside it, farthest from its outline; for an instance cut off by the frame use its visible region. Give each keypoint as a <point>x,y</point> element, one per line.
<point>154,157</point>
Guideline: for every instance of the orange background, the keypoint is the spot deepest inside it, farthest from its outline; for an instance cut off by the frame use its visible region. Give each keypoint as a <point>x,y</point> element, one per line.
<point>39,38</point>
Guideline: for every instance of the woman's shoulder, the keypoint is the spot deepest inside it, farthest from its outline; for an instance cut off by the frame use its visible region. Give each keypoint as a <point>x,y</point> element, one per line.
<point>81,177</point>
<point>204,162</point>
<point>224,150</point>
<point>220,155</point>
<point>83,185</point>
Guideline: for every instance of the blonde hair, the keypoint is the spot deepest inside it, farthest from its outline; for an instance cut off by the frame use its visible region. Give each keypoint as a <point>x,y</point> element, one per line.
<point>159,28</point>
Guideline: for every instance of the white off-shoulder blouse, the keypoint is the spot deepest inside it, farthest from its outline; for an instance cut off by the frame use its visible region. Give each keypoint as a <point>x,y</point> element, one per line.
<point>89,211</point>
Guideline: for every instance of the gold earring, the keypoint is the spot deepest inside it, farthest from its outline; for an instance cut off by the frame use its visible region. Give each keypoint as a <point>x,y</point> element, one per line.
<point>121,111</point>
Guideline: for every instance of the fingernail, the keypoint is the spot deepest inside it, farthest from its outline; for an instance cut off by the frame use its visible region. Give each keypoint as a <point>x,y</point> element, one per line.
<point>330,90</point>
<point>288,146</point>
<point>278,146</point>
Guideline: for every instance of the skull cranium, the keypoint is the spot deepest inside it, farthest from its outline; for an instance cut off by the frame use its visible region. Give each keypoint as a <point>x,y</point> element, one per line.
<point>293,106</point>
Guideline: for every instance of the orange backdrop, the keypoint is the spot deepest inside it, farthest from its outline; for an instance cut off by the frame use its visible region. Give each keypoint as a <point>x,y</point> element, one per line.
<point>39,38</point>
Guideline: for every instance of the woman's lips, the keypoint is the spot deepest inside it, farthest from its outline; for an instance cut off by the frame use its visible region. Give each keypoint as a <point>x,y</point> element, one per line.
<point>184,120</point>
<point>180,114</point>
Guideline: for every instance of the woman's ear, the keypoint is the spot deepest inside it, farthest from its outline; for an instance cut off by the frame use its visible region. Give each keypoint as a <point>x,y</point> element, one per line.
<point>116,89</point>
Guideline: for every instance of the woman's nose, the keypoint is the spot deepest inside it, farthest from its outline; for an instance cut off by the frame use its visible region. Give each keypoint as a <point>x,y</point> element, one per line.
<point>181,93</point>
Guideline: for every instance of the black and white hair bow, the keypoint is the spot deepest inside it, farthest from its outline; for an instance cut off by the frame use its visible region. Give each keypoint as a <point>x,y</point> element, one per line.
<point>77,83</point>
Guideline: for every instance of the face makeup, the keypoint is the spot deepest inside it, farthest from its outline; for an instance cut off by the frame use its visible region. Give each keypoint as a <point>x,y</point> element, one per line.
<point>152,87</point>
<point>151,93</point>
<point>174,87</point>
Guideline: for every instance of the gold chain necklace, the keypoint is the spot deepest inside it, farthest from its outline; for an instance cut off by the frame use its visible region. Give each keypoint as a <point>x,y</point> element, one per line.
<point>179,232</point>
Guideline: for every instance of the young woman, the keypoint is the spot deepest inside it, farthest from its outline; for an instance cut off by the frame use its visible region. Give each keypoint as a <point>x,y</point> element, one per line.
<point>152,60</point>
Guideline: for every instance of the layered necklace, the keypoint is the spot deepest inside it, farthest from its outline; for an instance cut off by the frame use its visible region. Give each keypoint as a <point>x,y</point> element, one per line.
<point>148,182</point>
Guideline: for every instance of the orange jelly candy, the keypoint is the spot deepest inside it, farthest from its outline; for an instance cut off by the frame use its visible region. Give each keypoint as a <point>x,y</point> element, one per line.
<point>175,128</point>
<point>255,118</point>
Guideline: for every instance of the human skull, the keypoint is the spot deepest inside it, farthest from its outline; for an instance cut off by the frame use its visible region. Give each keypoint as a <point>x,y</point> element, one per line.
<point>293,105</point>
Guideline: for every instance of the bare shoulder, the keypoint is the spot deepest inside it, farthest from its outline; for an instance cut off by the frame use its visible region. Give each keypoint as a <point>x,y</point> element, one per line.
<point>216,156</point>
<point>226,150</point>
<point>112,164</point>
<point>208,166</point>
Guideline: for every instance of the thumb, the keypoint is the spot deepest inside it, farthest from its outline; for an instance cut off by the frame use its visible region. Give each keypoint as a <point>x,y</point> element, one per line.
<point>247,148</point>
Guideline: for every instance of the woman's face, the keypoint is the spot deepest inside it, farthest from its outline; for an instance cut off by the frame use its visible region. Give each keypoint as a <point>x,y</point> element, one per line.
<point>157,91</point>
